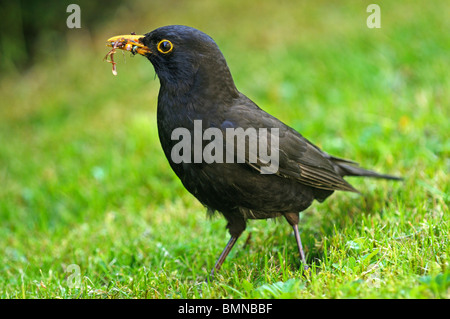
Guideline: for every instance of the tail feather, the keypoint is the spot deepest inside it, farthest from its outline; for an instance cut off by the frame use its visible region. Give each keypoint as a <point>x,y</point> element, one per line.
<point>350,170</point>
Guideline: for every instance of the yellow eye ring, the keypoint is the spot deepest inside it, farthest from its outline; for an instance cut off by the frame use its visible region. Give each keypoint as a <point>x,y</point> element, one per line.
<point>164,46</point>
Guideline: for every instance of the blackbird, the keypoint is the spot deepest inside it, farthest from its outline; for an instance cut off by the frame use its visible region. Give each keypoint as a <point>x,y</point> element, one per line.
<point>196,87</point>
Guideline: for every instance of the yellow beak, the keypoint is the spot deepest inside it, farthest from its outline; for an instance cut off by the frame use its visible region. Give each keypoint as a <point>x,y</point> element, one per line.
<point>129,42</point>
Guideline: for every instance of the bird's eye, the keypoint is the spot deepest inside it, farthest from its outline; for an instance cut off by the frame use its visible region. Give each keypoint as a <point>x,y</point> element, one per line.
<point>165,46</point>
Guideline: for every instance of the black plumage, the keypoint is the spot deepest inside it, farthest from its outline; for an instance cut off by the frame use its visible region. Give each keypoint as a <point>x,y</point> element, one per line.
<point>196,84</point>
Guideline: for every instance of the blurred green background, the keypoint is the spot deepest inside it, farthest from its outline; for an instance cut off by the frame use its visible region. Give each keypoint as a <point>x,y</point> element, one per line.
<point>83,179</point>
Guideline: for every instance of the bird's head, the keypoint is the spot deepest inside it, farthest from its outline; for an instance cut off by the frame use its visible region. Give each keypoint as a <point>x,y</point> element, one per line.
<point>184,58</point>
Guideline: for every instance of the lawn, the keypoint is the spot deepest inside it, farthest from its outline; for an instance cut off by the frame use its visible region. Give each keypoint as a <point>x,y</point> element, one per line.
<point>89,207</point>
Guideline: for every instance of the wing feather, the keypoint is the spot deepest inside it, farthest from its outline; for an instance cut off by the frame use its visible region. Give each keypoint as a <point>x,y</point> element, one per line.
<point>298,158</point>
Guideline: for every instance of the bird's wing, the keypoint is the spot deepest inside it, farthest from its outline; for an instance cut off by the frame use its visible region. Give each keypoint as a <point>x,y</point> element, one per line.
<point>297,157</point>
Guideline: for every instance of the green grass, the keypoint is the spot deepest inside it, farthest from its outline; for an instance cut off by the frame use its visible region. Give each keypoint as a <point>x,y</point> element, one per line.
<point>84,181</point>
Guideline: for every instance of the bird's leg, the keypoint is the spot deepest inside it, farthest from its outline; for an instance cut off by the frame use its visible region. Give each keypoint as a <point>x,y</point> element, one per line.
<point>293,220</point>
<point>300,247</point>
<point>224,255</point>
<point>236,226</point>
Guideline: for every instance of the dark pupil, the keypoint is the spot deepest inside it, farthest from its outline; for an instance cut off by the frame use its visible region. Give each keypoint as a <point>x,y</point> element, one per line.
<point>165,46</point>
